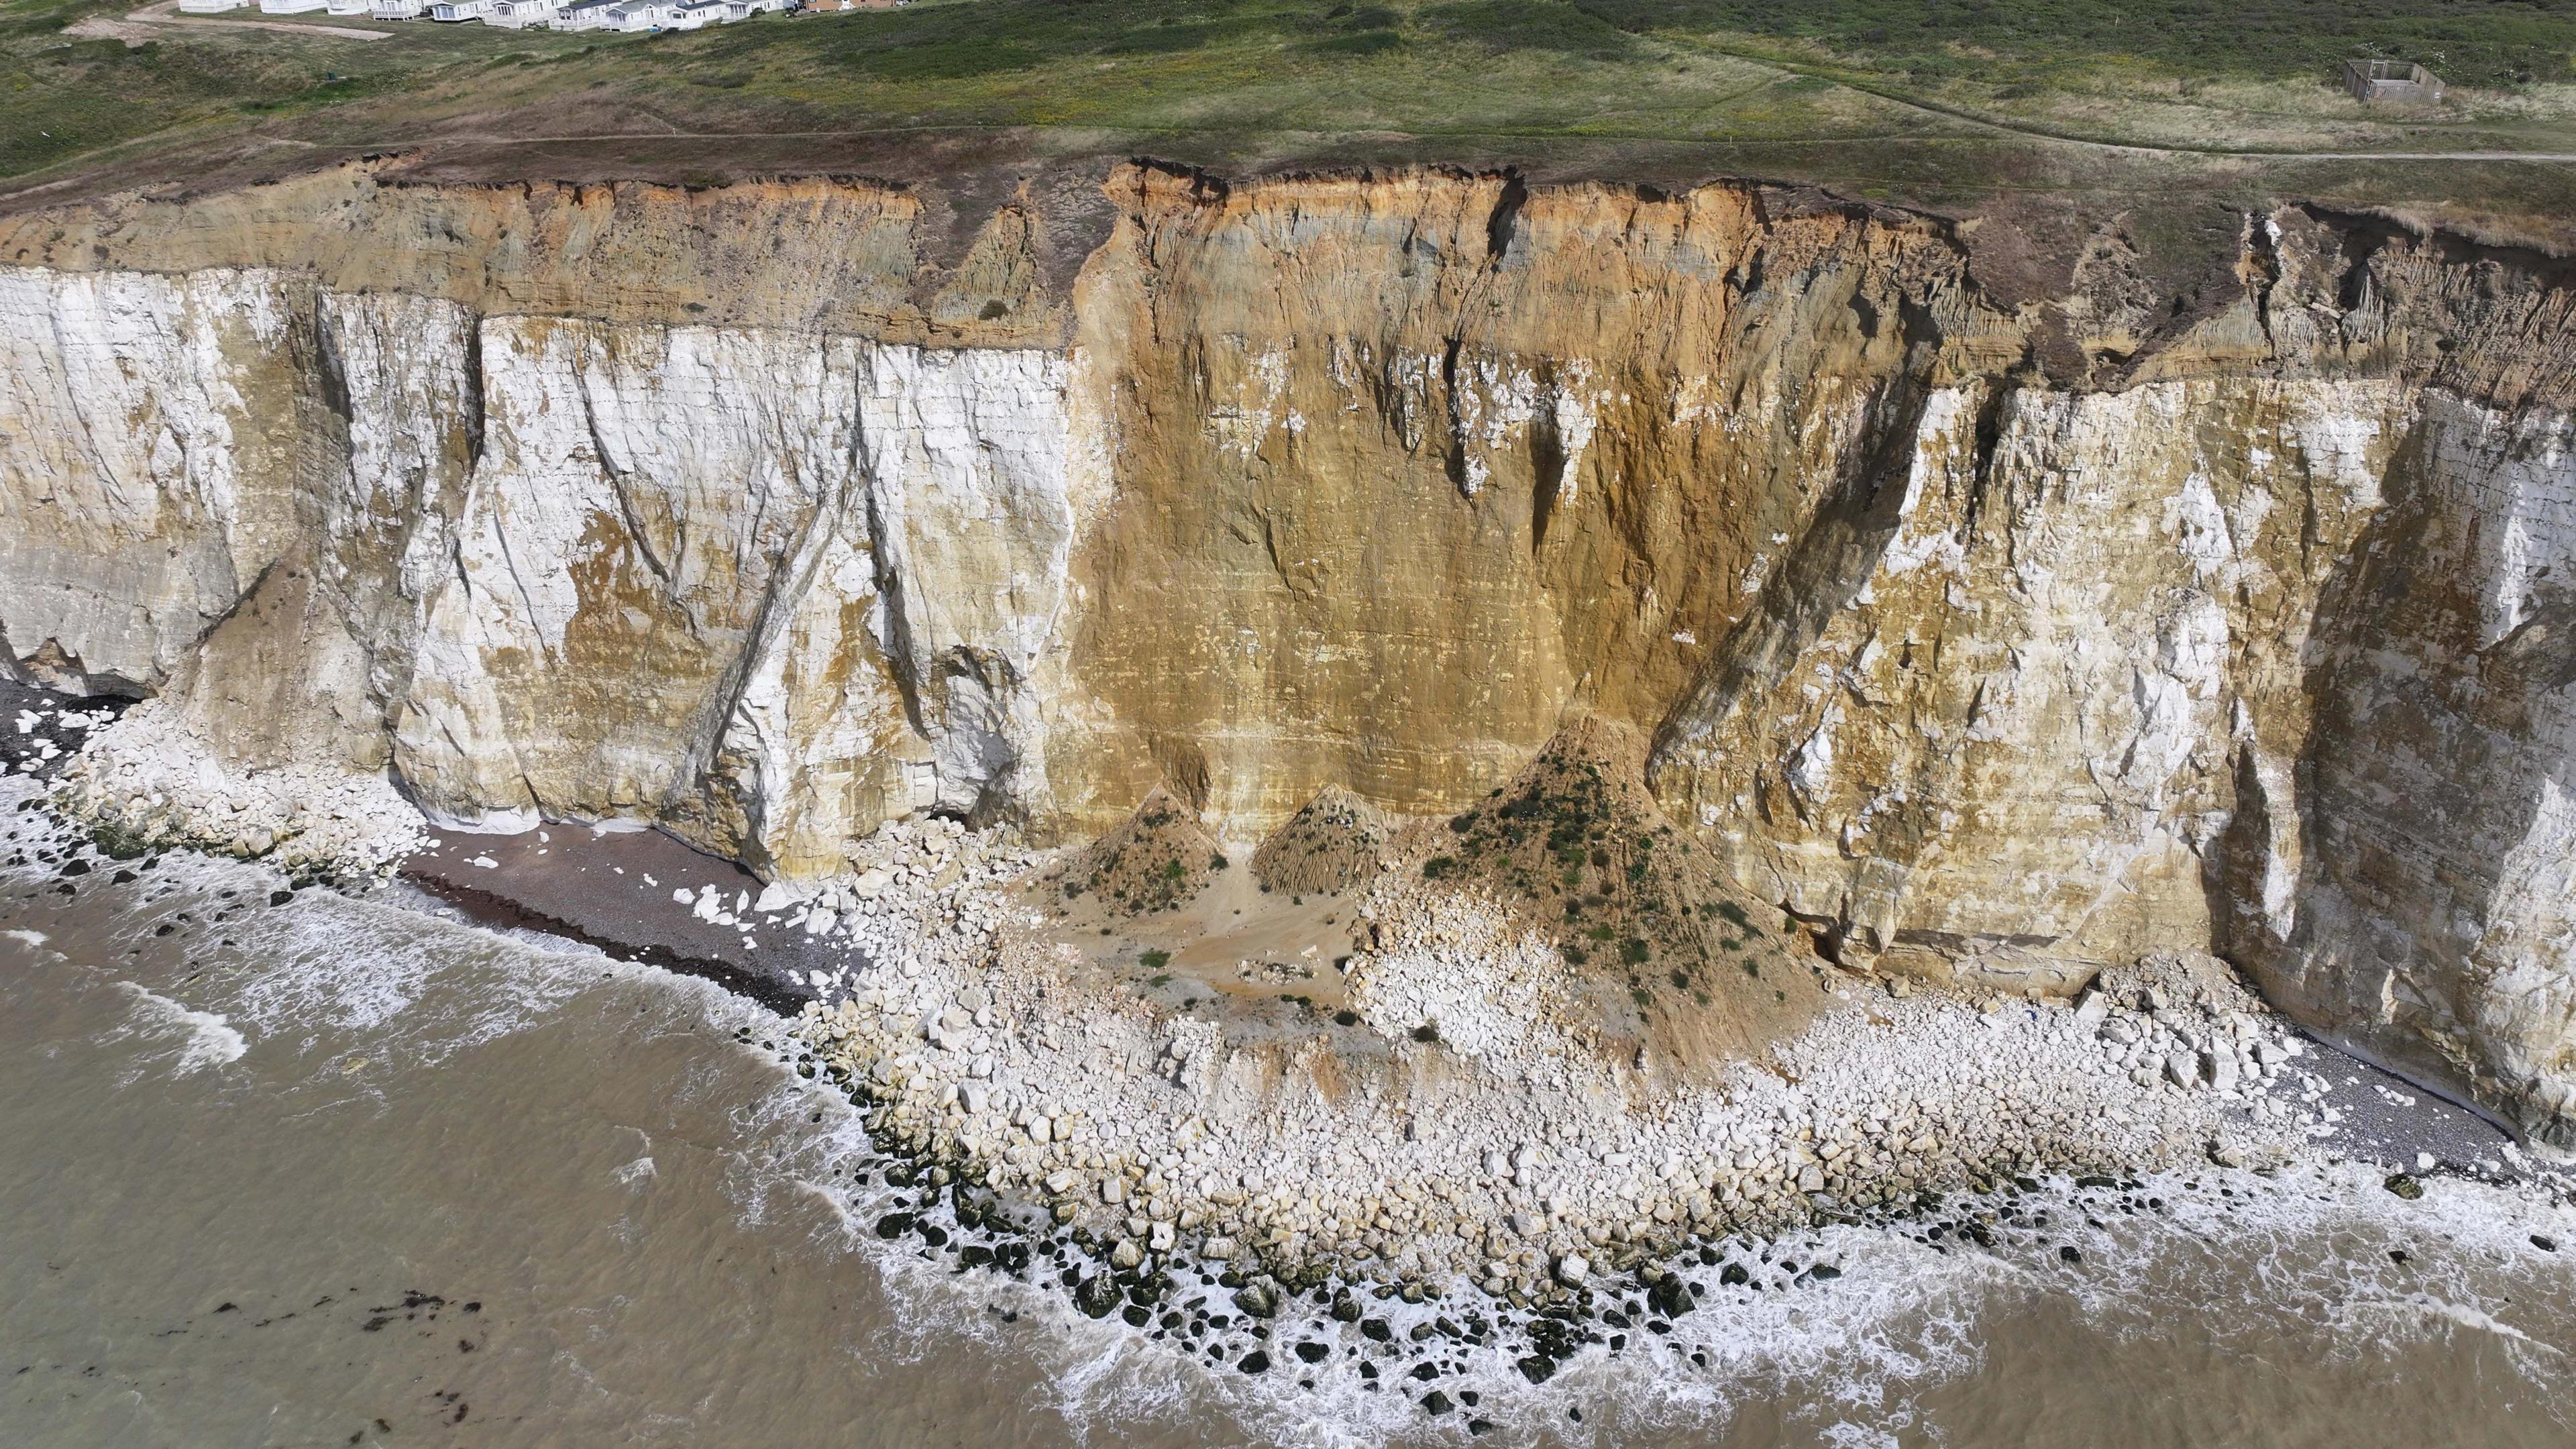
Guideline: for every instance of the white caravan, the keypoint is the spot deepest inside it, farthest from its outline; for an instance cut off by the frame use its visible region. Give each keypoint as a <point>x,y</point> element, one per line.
<point>637,15</point>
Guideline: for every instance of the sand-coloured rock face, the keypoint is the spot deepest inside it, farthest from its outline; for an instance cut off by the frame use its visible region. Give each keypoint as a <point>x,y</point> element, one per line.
<point>733,511</point>
<point>1407,470</point>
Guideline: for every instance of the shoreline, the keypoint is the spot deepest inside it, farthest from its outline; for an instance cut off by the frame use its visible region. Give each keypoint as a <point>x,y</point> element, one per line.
<point>1276,1152</point>
<point>1428,1365</point>
<point>908,963</point>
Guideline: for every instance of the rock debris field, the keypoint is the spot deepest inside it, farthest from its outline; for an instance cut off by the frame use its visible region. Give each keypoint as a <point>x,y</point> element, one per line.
<point>1462,1126</point>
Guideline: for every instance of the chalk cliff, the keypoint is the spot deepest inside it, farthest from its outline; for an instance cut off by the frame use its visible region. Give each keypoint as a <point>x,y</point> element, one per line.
<point>753,513</point>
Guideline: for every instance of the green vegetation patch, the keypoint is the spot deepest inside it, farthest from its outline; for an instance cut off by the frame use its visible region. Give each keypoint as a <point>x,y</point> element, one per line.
<point>1630,900</point>
<point>2473,42</point>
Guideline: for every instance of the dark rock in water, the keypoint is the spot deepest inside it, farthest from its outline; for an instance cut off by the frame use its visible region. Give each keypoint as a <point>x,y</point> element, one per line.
<point>894,1225</point>
<point>1824,1272</point>
<point>2405,1186</point>
<point>1346,1309</point>
<point>1435,1403</point>
<point>279,898</point>
<point>1311,1352</point>
<point>1136,1317</point>
<point>76,867</point>
<point>2544,1242</point>
<point>2066,1254</point>
<point>1735,1276</point>
<point>934,1235</point>
<point>1670,1297</point>
<point>1097,1297</point>
<point>1425,1372</point>
<point>974,1255</point>
<point>1257,1300</point>
<point>1537,1368</point>
<point>2399,1255</point>
<point>1376,1330</point>
<point>1255,1362</point>
<point>1480,1427</point>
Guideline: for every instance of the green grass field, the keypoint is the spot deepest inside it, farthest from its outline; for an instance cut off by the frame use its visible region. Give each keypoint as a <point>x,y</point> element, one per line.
<point>1287,77</point>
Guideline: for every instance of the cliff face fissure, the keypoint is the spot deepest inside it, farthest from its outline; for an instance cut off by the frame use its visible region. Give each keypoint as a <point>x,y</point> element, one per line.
<point>722,510</point>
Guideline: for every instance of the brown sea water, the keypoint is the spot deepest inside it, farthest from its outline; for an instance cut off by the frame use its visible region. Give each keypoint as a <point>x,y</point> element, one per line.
<point>337,1171</point>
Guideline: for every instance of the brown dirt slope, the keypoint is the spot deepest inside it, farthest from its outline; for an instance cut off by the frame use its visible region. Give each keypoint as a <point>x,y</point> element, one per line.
<point>1335,844</point>
<point>1638,908</point>
<point>1159,860</point>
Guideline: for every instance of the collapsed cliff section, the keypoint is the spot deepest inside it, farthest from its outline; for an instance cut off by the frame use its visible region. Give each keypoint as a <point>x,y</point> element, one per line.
<point>1993,644</point>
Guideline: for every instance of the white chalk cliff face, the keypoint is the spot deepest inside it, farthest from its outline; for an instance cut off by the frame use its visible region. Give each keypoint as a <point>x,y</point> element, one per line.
<point>770,588</point>
<point>1374,485</point>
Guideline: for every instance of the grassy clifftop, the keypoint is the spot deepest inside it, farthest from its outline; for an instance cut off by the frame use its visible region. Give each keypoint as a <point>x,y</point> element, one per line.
<point>1903,94</point>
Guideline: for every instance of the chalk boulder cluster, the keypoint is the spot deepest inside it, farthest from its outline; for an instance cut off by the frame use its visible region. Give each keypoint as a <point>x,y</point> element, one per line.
<point>33,748</point>
<point>148,779</point>
<point>1510,1147</point>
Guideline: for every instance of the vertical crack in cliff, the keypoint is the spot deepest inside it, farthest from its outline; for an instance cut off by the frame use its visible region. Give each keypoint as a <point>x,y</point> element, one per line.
<point>1548,465</point>
<point>473,390</point>
<point>330,373</point>
<point>616,477</point>
<point>2261,270</point>
<point>893,609</point>
<point>790,578</point>
<point>1821,575</point>
<point>1502,222</point>
<point>1454,461</point>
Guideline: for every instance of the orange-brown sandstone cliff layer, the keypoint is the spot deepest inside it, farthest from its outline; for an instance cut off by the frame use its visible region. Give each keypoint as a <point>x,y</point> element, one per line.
<point>767,512</point>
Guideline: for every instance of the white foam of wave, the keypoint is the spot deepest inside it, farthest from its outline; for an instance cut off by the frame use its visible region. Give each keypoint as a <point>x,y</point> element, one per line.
<point>207,1039</point>
<point>2300,1254</point>
<point>327,973</point>
<point>2462,1314</point>
<point>1901,1315</point>
<point>2301,1257</point>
